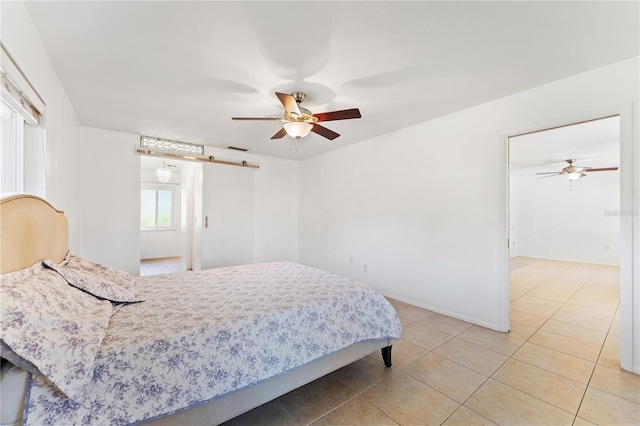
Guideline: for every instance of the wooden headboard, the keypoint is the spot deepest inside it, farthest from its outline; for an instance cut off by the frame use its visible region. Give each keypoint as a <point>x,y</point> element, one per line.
<point>31,230</point>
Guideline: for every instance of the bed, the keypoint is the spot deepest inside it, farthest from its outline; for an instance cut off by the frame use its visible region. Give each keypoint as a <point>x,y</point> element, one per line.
<point>85,344</point>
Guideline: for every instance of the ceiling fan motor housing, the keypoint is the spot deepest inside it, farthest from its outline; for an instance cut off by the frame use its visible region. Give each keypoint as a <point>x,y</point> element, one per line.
<point>299,96</point>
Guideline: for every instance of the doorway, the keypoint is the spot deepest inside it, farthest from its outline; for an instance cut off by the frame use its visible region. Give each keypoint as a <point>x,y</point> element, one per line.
<point>565,231</point>
<point>165,228</point>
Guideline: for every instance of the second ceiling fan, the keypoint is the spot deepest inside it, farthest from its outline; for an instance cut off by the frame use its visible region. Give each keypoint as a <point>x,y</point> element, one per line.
<point>574,172</point>
<point>299,121</point>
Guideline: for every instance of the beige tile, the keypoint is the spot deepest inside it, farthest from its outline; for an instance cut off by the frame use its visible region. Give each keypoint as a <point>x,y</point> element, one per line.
<point>579,421</point>
<point>404,320</point>
<point>505,405</point>
<point>552,293</point>
<point>472,356</point>
<point>410,402</point>
<point>542,384</point>
<point>410,312</point>
<point>537,301</point>
<point>271,413</point>
<point>588,312</point>
<point>592,304</point>
<point>529,308</point>
<point>363,373</point>
<point>612,341</point>
<point>556,362</point>
<point>521,331</point>
<point>397,304</point>
<point>465,417</point>
<point>602,408</point>
<point>615,328</point>
<point>403,353</point>
<point>574,331</point>
<point>357,411</point>
<point>443,323</point>
<point>503,343</point>
<point>313,400</point>
<point>594,299</point>
<point>424,336</point>
<point>566,345</point>
<point>617,382</point>
<point>600,289</point>
<point>452,379</point>
<point>582,321</point>
<point>609,358</point>
<point>524,318</point>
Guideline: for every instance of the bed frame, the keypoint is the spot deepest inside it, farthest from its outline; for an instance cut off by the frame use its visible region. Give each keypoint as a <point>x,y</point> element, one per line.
<point>33,230</point>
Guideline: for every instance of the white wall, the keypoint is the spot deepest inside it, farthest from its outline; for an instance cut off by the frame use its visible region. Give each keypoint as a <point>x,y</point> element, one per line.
<point>110,222</point>
<point>109,193</point>
<point>275,206</point>
<point>425,207</point>
<point>23,42</point>
<point>568,221</point>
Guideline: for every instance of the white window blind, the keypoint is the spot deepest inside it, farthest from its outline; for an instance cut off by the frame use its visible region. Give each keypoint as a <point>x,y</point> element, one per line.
<point>22,142</point>
<point>18,92</point>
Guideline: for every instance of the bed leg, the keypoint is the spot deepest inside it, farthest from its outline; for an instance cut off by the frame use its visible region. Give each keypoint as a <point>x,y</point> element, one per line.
<point>386,355</point>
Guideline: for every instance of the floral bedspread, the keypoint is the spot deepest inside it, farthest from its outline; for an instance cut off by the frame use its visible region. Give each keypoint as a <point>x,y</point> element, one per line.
<point>199,335</point>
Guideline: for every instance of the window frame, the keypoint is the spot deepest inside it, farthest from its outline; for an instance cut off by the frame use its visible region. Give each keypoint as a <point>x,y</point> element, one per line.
<point>156,188</point>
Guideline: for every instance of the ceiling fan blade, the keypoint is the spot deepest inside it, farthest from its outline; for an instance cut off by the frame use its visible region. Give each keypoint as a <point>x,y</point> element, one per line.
<point>344,114</point>
<point>544,177</point>
<point>289,103</point>
<point>281,134</point>
<point>257,118</point>
<point>548,173</point>
<point>602,169</point>
<point>323,131</point>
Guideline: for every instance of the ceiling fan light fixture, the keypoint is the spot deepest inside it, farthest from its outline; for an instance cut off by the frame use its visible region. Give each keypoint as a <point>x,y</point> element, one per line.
<point>298,129</point>
<point>575,175</point>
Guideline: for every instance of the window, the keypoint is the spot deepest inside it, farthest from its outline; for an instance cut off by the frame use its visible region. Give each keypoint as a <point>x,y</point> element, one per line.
<point>11,149</point>
<point>22,142</point>
<point>156,208</point>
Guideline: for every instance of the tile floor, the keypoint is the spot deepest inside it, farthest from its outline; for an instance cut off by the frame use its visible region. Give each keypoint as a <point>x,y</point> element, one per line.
<point>558,365</point>
<point>161,266</point>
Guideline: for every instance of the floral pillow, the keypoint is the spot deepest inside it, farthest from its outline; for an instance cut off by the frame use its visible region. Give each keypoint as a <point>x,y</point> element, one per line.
<point>105,283</point>
<point>11,277</point>
<point>53,329</point>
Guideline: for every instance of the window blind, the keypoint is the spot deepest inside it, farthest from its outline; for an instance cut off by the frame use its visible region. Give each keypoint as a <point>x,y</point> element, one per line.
<point>17,91</point>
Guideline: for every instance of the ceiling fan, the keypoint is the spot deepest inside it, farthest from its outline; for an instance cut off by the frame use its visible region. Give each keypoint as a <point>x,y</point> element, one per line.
<point>574,172</point>
<point>299,121</point>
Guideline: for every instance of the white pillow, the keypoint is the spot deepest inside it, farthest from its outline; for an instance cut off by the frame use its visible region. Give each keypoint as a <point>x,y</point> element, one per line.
<point>11,277</point>
<point>53,329</point>
<point>102,282</point>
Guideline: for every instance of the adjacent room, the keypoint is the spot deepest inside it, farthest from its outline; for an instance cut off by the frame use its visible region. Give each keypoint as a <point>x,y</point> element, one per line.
<point>245,206</point>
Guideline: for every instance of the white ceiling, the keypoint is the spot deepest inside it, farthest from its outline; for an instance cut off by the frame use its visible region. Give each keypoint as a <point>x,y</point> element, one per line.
<point>180,70</point>
<point>591,144</point>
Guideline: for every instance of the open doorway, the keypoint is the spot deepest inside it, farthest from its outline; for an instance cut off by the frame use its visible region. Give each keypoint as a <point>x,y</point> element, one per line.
<point>565,237</point>
<point>165,209</point>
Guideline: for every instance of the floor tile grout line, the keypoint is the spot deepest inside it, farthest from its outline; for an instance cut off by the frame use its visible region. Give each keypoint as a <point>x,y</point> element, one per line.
<point>527,341</point>
<point>595,364</point>
<point>357,395</point>
<point>286,409</point>
<point>455,362</point>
